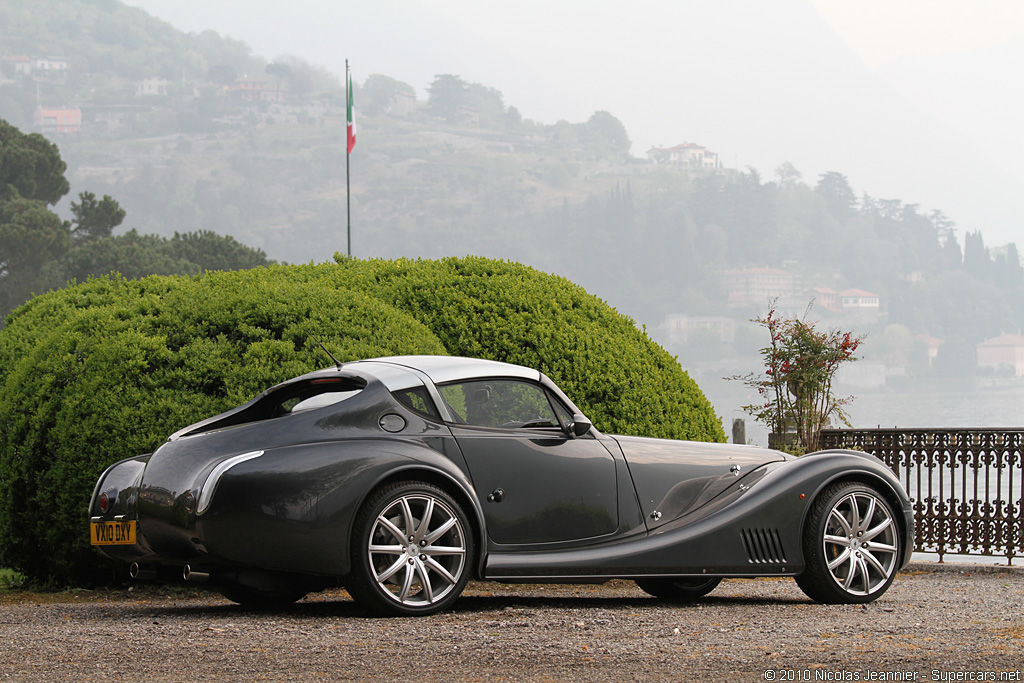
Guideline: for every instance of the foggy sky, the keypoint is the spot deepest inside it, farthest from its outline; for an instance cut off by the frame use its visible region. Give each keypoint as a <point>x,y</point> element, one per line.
<point>758,82</point>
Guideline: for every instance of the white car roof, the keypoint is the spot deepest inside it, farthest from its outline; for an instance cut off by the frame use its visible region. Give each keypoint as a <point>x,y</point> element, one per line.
<point>442,369</point>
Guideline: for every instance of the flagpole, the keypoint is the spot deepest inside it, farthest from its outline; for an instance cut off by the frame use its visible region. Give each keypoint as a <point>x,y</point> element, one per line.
<point>348,153</point>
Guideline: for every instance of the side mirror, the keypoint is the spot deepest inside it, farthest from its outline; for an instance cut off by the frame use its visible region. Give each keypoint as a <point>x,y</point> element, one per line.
<point>580,425</point>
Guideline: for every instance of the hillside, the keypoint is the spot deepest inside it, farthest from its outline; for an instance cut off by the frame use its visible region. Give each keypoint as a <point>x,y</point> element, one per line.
<point>457,170</point>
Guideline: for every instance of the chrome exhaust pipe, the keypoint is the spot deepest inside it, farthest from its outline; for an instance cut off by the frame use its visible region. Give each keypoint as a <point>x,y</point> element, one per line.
<point>141,573</point>
<point>193,576</point>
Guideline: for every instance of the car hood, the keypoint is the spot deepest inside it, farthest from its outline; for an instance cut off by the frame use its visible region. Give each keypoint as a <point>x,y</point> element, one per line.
<point>673,478</point>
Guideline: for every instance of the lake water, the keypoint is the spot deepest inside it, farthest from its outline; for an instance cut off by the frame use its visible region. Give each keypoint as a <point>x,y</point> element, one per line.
<point>990,407</point>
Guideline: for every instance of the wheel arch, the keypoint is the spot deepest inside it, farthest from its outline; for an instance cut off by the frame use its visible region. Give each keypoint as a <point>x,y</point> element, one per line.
<point>869,478</point>
<point>462,494</point>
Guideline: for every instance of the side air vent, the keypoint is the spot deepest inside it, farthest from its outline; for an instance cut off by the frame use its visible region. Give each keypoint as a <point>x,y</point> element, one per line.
<point>763,546</point>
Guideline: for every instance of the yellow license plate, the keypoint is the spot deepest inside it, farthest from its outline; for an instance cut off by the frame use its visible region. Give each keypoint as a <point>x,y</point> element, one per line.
<point>113,533</point>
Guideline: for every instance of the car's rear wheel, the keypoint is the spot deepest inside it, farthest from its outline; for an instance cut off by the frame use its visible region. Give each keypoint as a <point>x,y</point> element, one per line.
<point>412,550</point>
<point>851,545</point>
<point>679,590</point>
<point>262,599</point>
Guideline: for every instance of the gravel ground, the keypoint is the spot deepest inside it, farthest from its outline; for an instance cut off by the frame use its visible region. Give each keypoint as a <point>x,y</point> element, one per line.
<point>937,622</point>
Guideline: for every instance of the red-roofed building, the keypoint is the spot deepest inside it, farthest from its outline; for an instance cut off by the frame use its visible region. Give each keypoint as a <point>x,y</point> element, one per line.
<point>1003,353</point>
<point>824,297</point>
<point>58,119</point>
<point>21,65</point>
<point>858,300</point>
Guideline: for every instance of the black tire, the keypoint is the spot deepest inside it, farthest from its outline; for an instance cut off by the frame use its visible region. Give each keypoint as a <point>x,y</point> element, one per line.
<point>412,550</point>
<point>851,545</point>
<point>679,590</point>
<point>262,599</point>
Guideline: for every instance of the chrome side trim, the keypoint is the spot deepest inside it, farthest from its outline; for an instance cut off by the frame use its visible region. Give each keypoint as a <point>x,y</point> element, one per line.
<point>210,486</point>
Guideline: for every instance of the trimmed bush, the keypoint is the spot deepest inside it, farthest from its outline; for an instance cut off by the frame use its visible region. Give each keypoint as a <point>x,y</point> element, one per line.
<point>108,369</point>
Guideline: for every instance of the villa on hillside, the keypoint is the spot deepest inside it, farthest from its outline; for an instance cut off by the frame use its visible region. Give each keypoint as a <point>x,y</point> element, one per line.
<point>253,90</point>
<point>20,64</point>
<point>758,286</point>
<point>153,85</point>
<point>58,120</point>
<point>1005,352</point>
<point>824,297</point>
<point>687,155</point>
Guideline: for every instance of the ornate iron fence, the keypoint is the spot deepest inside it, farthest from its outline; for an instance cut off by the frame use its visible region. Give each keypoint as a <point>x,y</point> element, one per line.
<point>965,484</point>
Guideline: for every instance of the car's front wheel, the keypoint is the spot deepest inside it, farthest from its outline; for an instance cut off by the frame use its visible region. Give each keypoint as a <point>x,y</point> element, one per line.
<point>679,590</point>
<point>851,545</point>
<point>412,549</point>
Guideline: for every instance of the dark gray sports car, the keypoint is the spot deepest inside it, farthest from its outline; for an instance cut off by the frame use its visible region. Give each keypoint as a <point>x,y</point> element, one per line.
<point>402,478</point>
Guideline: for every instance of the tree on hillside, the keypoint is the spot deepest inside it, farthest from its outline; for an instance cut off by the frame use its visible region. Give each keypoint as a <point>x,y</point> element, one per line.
<point>222,74</point>
<point>32,240</point>
<point>94,219</point>
<point>449,95</point>
<point>378,92</point>
<point>839,196</point>
<point>605,129</point>
<point>30,166</point>
<point>977,261</point>
<point>788,175</point>
<point>211,251</point>
<point>279,72</point>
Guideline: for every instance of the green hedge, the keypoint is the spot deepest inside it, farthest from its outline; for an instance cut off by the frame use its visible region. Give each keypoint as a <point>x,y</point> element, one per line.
<point>108,369</point>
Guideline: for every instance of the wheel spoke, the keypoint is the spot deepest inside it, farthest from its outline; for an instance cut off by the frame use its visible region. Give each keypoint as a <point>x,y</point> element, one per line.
<point>426,586</point>
<point>838,517</point>
<point>410,574</point>
<point>854,514</point>
<point>440,531</point>
<point>873,561</point>
<point>387,549</point>
<point>843,557</point>
<point>392,570</point>
<point>874,531</point>
<point>850,572</point>
<point>884,548</point>
<point>861,570</point>
<point>434,565</point>
<point>391,528</point>
<point>838,540</point>
<point>407,514</point>
<point>424,527</point>
<point>868,516</point>
<point>443,550</point>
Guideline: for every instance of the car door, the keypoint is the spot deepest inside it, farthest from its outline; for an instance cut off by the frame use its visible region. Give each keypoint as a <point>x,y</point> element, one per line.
<point>536,482</point>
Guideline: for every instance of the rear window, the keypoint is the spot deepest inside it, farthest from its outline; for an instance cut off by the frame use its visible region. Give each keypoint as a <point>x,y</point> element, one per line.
<point>317,393</point>
<point>291,399</point>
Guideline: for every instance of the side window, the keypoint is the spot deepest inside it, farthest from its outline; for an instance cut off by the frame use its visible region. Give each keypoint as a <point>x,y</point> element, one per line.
<point>499,403</point>
<point>418,400</point>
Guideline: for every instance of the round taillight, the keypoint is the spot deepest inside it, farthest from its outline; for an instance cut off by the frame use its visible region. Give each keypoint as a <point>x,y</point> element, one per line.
<point>190,503</point>
<point>104,503</point>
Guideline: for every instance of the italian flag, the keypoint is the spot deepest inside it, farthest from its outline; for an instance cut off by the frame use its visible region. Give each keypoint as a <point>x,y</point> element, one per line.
<point>351,118</point>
